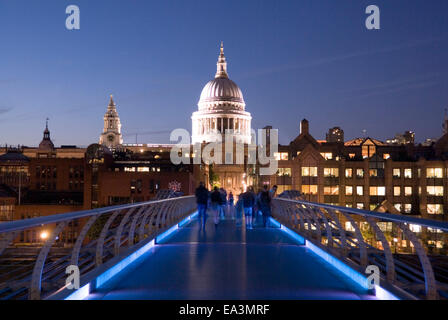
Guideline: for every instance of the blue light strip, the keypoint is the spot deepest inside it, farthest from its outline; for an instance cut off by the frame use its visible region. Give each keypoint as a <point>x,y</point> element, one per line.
<point>288,231</point>
<point>360,279</point>
<point>383,294</point>
<point>80,294</point>
<point>84,292</point>
<point>340,266</point>
<point>188,219</point>
<point>167,233</point>
<point>112,272</point>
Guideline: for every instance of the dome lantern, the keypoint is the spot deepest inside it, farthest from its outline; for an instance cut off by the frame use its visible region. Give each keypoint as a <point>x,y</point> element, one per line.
<point>221,71</point>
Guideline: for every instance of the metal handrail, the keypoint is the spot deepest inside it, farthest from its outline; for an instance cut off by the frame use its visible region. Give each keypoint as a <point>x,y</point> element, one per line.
<point>61,217</point>
<point>380,215</point>
<point>118,234</point>
<point>324,226</point>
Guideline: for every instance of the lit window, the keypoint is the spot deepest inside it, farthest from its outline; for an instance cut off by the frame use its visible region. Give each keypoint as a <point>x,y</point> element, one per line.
<point>438,244</point>
<point>434,190</point>
<point>143,169</point>
<point>348,190</point>
<point>307,189</point>
<point>377,191</point>
<point>298,153</point>
<point>386,156</point>
<point>331,191</point>
<point>398,206</point>
<point>415,228</point>
<point>360,190</point>
<point>127,169</point>
<point>327,156</point>
<point>385,226</point>
<point>434,208</point>
<point>373,172</point>
<point>284,172</point>
<point>359,173</point>
<point>360,205</point>
<point>397,191</point>
<point>408,191</point>
<point>348,173</point>
<point>408,173</point>
<point>435,230</point>
<point>309,171</point>
<point>281,156</point>
<point>407,208</point>
<point>434,173</point>
<point>368,150</point>
<point>351,155</point>
<point>349,226</point>
<point>396,173</point>
<point>331,172</point>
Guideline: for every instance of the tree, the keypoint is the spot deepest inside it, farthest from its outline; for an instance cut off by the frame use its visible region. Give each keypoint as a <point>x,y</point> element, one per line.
<point>213,177</point>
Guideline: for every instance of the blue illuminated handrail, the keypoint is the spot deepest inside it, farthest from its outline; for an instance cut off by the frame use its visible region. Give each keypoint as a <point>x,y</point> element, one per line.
<point>355,236</point>
<point>117,235</point>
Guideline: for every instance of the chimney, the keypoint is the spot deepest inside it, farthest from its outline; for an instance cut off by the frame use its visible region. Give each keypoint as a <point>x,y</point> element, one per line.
<point>304,127</point>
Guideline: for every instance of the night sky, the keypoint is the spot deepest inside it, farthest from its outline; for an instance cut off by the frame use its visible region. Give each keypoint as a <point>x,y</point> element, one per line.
<point>311,59</point>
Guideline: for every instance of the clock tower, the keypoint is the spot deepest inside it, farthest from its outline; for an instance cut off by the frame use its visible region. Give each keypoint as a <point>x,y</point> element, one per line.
<point>111,136</point>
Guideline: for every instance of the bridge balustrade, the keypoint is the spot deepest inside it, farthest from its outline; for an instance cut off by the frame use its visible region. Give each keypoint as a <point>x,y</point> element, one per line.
<point>38,269</point>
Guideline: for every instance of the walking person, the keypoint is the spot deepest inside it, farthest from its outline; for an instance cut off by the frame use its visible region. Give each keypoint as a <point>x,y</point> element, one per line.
<point>202,201</point>
<point>222,203</point>
<point>231,207</point>
<point>239,210</point>
<point>215,199</point>
<point>265,205</point>
<point>273,192</point>
<point>248,204</point>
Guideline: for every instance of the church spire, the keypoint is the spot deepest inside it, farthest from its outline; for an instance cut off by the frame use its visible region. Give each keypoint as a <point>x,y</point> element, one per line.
<point>46,143</point>
<point>46,131</point>
<point>111,101</point>
<point>221,71</point>
<point>111,136</point>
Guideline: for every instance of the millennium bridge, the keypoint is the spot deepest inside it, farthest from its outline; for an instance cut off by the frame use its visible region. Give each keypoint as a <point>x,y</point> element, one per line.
<point>158,250</point>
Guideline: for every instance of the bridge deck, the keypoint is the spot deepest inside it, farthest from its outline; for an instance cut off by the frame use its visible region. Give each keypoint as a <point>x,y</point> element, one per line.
<point>230,263</point>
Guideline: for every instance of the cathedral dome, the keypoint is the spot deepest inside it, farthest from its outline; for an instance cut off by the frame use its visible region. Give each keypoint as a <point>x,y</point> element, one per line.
<point>221,92</point>
<point>221,89</point>
<point>221,109</point>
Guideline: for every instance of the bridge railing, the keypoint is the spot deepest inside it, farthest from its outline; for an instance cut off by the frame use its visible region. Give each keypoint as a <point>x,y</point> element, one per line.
<point>86,239</point>
<point>410,252</point>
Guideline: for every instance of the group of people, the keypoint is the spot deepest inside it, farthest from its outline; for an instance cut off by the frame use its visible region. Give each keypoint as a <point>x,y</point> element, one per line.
<point>222,204</point>
<point>252,204</point>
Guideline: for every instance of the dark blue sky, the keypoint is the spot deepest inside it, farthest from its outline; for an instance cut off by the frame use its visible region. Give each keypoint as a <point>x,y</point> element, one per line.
<point>296,59</point>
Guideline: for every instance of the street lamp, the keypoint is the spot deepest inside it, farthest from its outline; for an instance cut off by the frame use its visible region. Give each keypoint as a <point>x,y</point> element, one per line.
<point>44,235</point>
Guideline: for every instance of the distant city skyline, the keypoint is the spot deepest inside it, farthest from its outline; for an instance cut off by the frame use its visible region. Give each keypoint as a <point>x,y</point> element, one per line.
<point>291,59</point>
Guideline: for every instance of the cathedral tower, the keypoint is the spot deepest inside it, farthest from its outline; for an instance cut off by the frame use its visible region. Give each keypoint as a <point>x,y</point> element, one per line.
<point>111,136</point>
